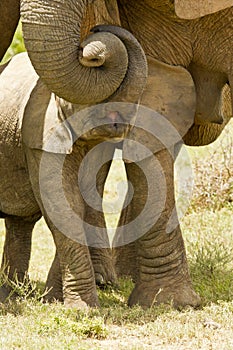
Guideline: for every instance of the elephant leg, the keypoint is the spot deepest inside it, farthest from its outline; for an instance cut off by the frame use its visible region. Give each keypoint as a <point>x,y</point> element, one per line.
<point>125,249</point>
<point>102,263</point>
<point>54,182</point>
<point>160,254</point>
<point>103,266</point>
<point>53,287</point>
<point>17,250</point>
<point>124,252</point>
<point>101,253</point>
<point>73,264</point>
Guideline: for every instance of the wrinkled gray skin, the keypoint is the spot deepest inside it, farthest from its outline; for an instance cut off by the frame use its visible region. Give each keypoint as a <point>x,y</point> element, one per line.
<point>157,260</point>
<point>203,46</point>
<point>28,114</point>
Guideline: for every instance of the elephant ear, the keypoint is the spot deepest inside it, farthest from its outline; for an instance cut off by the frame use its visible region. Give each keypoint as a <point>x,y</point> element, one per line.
<point>166,112</point>
<point>23,92</point>
<point>190,9</point>
<point>43,127</point>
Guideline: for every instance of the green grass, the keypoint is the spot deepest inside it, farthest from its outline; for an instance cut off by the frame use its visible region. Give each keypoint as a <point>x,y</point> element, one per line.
<point>29,324</point>
<point>207,227</point>
<point>17,45</point>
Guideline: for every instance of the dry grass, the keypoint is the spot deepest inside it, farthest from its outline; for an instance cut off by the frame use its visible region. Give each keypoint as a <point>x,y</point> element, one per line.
<point>208,231</point>
<point>214,178</point>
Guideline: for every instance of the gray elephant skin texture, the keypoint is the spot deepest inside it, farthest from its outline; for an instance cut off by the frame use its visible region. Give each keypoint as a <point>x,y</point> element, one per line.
<point>39,171</point>
<point>188,50</point>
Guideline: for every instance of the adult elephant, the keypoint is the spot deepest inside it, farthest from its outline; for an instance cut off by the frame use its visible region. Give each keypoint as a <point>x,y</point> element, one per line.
<point>195,35</point>
<point>178,37</point>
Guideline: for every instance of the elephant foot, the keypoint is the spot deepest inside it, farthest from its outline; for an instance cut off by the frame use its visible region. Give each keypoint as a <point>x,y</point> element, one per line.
<point>53,294</point>
<point>79,303</point>
<point>53,288</point>
<point>103,267</point>
<point>178,295</point>
<point>70,302</point>
<point>104,275</point>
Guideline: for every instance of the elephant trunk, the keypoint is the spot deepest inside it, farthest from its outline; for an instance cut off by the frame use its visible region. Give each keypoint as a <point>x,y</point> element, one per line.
<point>81,72</point>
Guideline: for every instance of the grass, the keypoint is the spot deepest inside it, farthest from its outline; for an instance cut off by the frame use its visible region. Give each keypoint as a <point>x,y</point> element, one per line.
<point>29,324</point>
<point>17,45</point>
<point>207,227</point>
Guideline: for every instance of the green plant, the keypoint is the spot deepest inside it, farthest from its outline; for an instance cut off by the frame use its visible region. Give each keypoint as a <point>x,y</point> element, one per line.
<point>17,45</point>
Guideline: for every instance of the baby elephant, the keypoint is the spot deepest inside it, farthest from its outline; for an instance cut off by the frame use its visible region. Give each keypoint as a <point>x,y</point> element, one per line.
<point>54,159</point>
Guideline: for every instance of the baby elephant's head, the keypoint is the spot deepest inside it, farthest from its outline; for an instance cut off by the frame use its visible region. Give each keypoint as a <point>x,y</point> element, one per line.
<point>110,121</point>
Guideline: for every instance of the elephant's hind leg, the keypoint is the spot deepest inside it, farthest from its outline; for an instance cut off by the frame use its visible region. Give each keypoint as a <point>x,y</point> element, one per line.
<point>16,254</point>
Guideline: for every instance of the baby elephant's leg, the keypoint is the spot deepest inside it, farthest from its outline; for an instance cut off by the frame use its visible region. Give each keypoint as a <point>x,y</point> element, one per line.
<point>53,289</point>
<point>16,254</point>
<point>97,235</point>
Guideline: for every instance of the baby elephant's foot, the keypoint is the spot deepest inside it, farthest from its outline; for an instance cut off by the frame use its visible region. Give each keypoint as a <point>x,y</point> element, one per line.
<point>104,275</point>
<point>51,294</point>
<point>81,303</point>
<point>179,295</point>
<point>72,298</point>
<point>78,304</point>
<point>103,267</point>
<point>74,301</point>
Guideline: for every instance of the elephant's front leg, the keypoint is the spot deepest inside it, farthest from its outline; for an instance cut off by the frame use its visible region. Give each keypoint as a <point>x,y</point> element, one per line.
<point>17,251</point>
<point>53,290</point>
<point>124,249</point>
<point>54,179</point>
<point>101,253</point>
<point>78,284</point>
<point>71,277</point>
<point>152,220</point>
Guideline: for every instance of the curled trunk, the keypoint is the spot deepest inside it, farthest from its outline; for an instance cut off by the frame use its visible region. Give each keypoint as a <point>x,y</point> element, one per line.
<point>80,71</point>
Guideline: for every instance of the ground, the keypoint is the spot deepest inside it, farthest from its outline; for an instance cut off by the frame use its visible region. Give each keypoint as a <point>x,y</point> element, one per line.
<point>208,232</point>
<point>207,226</point>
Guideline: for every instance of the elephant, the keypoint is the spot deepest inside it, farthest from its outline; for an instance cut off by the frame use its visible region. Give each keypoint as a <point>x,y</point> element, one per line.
<point>188,49</point>
<point>10,14</point>
<point>36,124</point>
<point>196,36</point>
